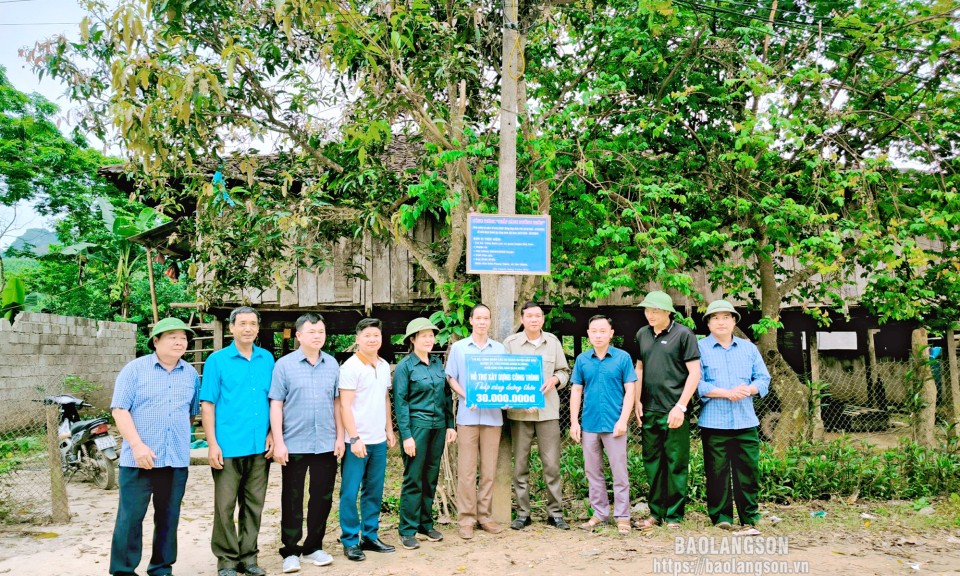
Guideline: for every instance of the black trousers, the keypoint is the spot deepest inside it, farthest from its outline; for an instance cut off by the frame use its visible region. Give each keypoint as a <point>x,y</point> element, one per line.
<point>165,486</point>
<point>732,456</point>
<point>323,475</point>
<point>420,475</point>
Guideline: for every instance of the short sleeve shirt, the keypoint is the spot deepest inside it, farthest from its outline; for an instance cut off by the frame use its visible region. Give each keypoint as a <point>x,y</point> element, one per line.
<point>238,388</point>
<point>457,368</point>
<point>603,381</point>
<point>161,404</point>
<point>664,358</point>
<point>307,392</point>
<point>371,384</point>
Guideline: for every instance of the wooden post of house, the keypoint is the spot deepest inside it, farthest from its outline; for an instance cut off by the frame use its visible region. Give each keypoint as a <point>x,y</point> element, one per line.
<point>816,421</point>
<point>953,389</point>
<point>153,287</point>
<point>217,327</point>
<point>924,419</point>
<point>876,395</point>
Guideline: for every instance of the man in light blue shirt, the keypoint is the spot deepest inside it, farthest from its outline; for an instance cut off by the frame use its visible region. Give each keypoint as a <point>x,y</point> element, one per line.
<point>154,402</point>
<point>478,431</point>
<point>307,437</point>
<point>236,420</point>
<point>732,373</point>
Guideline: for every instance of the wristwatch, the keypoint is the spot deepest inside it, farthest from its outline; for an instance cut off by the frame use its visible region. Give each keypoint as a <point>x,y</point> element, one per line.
<point>354,439</point>
<point>682,408</point>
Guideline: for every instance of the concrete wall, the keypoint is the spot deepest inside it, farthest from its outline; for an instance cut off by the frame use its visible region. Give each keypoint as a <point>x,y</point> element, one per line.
<point>39,350</point>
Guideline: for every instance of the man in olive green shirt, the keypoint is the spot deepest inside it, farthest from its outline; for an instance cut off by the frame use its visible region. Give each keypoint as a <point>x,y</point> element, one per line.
<point>543,423</point>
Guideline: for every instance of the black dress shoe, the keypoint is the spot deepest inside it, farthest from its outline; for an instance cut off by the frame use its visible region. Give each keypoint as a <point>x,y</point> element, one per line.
<point>354,553</point>
<point>376,546</point>
<point>558,522</point>
<point>520,522</point>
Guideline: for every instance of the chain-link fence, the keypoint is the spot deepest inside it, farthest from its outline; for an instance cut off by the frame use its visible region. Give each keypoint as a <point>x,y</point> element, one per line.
<point>25,463</point>
<point>37,456</point>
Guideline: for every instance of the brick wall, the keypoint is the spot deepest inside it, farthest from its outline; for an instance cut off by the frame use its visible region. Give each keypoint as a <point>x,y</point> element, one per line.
<point>39,350</point>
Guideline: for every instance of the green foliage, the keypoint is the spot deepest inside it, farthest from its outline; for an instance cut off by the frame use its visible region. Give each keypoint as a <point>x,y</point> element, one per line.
<point>914,378</point>
<point>778,158</point>
<point>37,162</point>
<point>14,450</point>
<point>453,320</point>
<point>80,386</point>
<point>13,297</point>
<point>97,273</point>
<point>805,471</point>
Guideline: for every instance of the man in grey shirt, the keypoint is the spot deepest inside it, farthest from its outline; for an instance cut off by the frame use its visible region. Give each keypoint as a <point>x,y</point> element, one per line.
<point>307,437</point>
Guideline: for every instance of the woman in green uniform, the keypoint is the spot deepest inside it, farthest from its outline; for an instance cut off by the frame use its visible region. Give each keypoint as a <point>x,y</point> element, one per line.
<point>423,404</point>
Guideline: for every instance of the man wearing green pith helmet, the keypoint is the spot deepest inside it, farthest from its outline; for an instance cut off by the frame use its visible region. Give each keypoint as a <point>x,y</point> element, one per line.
<point>668,372</point>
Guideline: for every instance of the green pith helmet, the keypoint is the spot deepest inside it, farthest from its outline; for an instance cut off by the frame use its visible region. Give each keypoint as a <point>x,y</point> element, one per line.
<point>418,324</point>
<point>720,306</point>
<point>168,325</point>
<point>659,300</point>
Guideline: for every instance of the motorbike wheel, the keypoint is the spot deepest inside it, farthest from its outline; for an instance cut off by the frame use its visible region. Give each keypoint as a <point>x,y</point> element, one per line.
<point>101,468</point>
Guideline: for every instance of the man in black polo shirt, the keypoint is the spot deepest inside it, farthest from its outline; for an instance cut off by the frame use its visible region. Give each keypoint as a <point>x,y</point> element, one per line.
<point>668,372</point>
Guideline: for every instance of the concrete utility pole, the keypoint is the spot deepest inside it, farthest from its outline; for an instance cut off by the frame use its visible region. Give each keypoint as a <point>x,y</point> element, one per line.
<point>504,285</point>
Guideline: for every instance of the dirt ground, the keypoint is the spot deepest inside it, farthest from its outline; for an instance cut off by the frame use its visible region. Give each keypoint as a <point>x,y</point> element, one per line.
<point>893,538</point>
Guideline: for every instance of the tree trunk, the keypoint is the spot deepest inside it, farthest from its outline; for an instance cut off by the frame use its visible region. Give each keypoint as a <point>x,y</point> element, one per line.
<point>794,396</point>
<point>925,414</point>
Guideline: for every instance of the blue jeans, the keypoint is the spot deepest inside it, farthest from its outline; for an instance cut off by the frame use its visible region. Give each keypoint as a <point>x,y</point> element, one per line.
<point>363,476</point>
<point>166,486</point>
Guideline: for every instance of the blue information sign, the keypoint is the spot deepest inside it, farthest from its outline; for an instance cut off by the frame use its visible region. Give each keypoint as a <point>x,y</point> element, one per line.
<point>499,244</point>
<point>504,380</point>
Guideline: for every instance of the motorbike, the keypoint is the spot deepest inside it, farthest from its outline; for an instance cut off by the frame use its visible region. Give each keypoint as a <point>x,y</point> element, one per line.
<point>86,446</point>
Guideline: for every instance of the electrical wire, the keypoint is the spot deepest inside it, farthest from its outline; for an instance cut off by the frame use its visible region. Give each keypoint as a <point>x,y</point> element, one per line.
<point>516,51</point>
<point>39,23</point>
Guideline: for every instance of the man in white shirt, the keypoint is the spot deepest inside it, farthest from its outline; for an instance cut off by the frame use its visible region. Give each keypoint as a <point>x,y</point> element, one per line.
<point>365,411</point>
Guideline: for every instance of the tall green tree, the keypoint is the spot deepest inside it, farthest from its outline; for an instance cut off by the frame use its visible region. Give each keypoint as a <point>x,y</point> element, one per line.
<point>791,151</point>
<point>788,151</point>
<point>97,271</point>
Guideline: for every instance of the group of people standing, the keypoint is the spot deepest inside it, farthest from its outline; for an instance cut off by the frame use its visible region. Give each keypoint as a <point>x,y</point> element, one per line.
<point>307,413</point>
<point>672,365</point>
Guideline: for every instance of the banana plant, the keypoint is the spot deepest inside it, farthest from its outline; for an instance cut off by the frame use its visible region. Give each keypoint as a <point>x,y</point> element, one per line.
<point>120,251</point>
<point>15,299</point>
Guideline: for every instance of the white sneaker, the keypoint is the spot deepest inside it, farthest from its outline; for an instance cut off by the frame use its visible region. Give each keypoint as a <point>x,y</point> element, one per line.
<point>319,558</point>
<point>291,564</point>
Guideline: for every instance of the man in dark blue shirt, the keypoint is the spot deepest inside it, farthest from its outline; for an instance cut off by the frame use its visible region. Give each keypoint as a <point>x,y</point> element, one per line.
<point>604,379</point>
